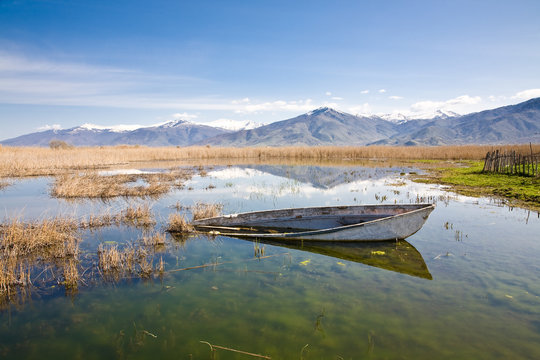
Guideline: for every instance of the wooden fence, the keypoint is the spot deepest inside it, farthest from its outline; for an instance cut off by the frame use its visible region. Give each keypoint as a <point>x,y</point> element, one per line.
<point>509,162</point>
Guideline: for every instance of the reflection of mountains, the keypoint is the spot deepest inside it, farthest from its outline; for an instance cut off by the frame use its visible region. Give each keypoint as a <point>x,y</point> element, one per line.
<point>321,177</point>
<point>398,256</point>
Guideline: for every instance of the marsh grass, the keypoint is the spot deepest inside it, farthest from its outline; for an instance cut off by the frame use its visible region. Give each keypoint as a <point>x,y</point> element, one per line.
<point>203,211</point>
<point>156,239</point>
<point>33,161</point>
<point>139,216</point>
<point>25,247</point>
<point>468,179</point>
<point>116,264</point>
<point>93,185</point>
<point>178,224</point>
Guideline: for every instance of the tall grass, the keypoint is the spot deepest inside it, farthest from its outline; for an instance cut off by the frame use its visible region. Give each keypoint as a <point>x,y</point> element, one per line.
<point>32,161</point>
<point>115,263</point>
<point>24,246</point>
<point>178,224</point>
<point>203,211</point>
<point>139,216</point>
<point>92,185</point>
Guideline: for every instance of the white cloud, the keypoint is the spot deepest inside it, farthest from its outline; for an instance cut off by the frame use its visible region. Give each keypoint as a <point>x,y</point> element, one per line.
<point>464,100</point>
<point>382,91</point>
<point>496,98</point>
<point>364,92</point>
<point>337,98</point>
<point>527,94</point>
<point>184,116</point>
<point>50,127</point>
<point>461,104</point>
<point>360,109</point>
<point>277,105</point>
<point>328,93</point>
<point>395,97</point>
<point>25,80</point>
<point>241,101</point>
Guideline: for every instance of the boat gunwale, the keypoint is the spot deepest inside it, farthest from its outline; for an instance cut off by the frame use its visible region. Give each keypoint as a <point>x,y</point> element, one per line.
<point>421,208</point>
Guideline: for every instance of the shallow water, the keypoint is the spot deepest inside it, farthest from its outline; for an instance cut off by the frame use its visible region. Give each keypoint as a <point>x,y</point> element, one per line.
<point>465,286</point>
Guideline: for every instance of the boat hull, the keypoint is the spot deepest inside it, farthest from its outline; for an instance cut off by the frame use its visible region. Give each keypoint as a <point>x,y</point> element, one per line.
<point>389,222</point>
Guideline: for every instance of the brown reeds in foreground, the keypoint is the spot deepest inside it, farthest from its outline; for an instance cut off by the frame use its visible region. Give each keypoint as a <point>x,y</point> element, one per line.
<point>140,216</point>
<point>155,239</point>
<point>24,246</point>
<point>203,211</point>
<point>92,185</point>
<point>32,161</point>
<point>178,224</point>
<point>115,263</point>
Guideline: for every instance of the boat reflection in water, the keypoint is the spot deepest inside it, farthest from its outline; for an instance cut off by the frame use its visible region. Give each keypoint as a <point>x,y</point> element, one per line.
<point>399,256</point>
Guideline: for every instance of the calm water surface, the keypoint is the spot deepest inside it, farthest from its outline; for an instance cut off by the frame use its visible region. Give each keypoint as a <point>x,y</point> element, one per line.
<point>467,285</point>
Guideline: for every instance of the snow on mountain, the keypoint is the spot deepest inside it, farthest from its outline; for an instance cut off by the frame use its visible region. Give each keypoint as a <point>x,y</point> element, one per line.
<point>324,109</point>
<point>234,125</point>
<point>125,128</point>
<point>114,128</point>
<point>399,117</point>
<point>171,123</point>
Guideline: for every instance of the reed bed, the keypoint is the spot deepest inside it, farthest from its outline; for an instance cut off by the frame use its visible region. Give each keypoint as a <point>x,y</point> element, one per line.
<point>34,161</point>
<point>178,224</point>
<point>203,211</point>
<point>154,240</point>
<point>115,263</point>
<point>26,246</point>
<point>92,185</point>
<point>139,216</point>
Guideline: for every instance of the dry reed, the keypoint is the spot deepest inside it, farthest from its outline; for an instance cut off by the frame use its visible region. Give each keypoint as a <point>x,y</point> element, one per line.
<point>139,216</point>
<point>32,161</point>
<point>203,211</point>
<point>115,263</point>
<point>24,246</point>
<point>92,185</point>
<point>155,239</point>
<point>178,224</point>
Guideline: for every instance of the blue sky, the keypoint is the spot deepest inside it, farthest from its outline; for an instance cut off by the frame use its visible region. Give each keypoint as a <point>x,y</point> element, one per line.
<point>65,63</point>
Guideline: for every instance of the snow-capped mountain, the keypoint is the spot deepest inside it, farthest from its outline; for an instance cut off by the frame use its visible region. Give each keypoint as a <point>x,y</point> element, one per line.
<point>174,132</point>
<point>399,118</point>
<point>511,124</point>
<point>233,125</point>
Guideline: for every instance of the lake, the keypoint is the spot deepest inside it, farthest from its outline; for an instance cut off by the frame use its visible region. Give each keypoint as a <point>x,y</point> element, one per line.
<point>467,285</point>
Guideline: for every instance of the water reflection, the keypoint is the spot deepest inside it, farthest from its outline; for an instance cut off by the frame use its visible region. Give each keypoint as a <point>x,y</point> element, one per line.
<point>398,256</point>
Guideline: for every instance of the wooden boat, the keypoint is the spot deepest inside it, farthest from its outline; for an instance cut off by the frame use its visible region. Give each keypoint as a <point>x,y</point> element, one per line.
<point>330,223</point>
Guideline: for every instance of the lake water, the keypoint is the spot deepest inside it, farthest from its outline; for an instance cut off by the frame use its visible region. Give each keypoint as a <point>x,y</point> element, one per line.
<point>467,285</point>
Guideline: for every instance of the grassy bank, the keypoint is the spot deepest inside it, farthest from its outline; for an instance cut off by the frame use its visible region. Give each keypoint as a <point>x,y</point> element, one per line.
<point>467,178</point>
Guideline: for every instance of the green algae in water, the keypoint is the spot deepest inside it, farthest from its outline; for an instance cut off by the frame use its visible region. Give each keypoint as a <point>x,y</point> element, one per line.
<point>482,302</point>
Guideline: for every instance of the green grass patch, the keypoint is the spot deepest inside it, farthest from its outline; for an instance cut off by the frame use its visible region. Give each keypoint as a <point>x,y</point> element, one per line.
<point>467,178</point>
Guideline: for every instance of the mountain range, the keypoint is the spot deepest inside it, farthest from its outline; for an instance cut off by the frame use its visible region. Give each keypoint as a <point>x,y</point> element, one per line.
<point>172,133</point>
<point>511,124</point>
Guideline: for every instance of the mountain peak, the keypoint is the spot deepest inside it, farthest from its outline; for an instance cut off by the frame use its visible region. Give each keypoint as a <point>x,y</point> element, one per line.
<point>114,128</point>
<point>173,123</point>
<point>322,110</point>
